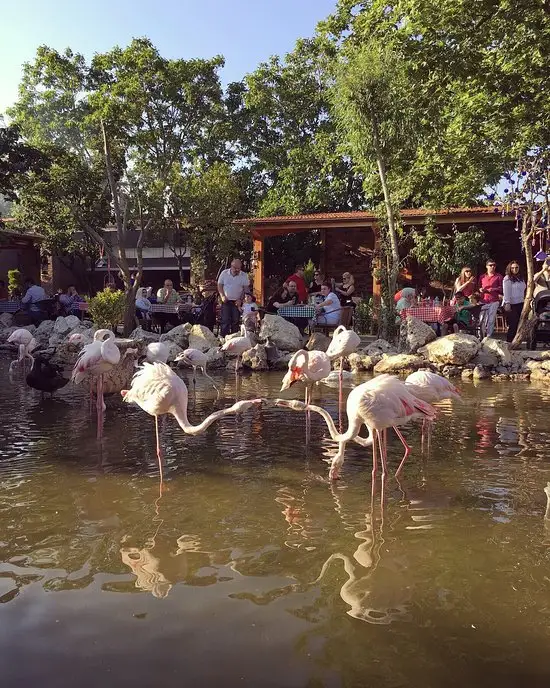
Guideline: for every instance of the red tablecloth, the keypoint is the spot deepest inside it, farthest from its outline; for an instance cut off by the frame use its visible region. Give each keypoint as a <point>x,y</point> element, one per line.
<point>429,313</point>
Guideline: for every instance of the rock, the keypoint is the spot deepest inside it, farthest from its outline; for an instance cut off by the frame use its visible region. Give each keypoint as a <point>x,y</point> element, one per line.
<point>360,362</point>
<point>451,371</point>
<point>486,358</point>
<point>282,362</point>
<point>414,334</point>
<point>61,326</point>
<point>480,373</point>
<point>6,319</point>
<point>399,363</point>
<point>540,374</point>
<point>179,335</point>
<point>173,351</point>
<point>379,347</point>
<point>72,321</point>
<point>318,342</point>
<point>201,338</point>
<point>55,339</point>
<point>467,374</point>
<point>283,334</point>
<point>498,348</point>
<point>215,358</point>
<point>255,358</point>
<point>145,336</point>
<point>500,377</point>
<point>45,327</point>
<point>5,333</point>
<point>454,349</point>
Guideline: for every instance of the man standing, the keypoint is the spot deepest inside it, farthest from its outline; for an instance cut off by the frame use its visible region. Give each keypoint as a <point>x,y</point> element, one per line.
<point>490,288</point>
<point>298,279</point>
<point>232,286</point>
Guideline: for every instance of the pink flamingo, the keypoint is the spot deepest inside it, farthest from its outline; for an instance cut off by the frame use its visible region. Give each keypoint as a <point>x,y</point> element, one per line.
<point>379,404</point>
<point>309,367</point>
<point>95,359</point>
<point>158,390</point>
<point>25,342</point>
<point>196,359</point>
<point>344,342</point>
<point>238,345</point>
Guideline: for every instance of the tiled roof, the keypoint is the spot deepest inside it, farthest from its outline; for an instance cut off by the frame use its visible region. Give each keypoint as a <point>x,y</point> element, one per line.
<point>366,215</point>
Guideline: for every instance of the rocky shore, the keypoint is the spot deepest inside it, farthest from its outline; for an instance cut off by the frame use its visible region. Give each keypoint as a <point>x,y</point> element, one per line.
<point>459,355</point>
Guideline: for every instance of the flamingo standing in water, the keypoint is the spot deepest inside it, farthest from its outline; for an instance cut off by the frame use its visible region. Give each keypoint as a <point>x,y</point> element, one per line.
<point>309,367</point>
<point>238,345</point>
<point>196,359</point>
<point>431,388</point>
<point>158,390</point>
<point>379,404</point>
<point>97,358</point>
<point>344,342</point>
<point>25,342</point>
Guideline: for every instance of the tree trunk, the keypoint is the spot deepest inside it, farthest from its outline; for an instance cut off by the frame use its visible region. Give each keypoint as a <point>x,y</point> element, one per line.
<point>525,325</point>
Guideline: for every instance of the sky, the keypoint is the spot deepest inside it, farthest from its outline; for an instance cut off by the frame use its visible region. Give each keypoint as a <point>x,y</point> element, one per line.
<point>245,32</point>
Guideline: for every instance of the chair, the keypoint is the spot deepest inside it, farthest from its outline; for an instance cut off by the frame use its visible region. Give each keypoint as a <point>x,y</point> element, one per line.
<point>500,325</point>
<point>346,318</point>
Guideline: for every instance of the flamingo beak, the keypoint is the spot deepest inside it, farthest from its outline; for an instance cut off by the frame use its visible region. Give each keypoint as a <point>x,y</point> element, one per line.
<point>123,393</point>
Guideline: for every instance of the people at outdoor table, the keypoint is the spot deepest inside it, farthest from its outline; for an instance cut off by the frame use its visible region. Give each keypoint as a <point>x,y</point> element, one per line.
<point>346,289</point>
<point>328,311</point>
<point>315,286</point>
<point>282,298</point>
<point>70,298</point>
<point>167,294</point>
<point>406,299</point>
<point>542,278</point>
<point>514,288</point>
<point>233,284</point>
<point>490,288</point>
<point>3,291</point>
<point>465,283</point>
<point>33,294</point>
<point>299,281</point>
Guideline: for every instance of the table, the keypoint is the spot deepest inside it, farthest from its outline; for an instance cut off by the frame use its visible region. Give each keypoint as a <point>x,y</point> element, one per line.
<point>429,313</point>
<point>10,306</point>
<point>155,307</point>
<point>297,312</point>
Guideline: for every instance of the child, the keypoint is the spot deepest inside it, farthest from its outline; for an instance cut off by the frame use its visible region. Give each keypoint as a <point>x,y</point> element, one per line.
<point>250,313</point>
<point>463,317</point>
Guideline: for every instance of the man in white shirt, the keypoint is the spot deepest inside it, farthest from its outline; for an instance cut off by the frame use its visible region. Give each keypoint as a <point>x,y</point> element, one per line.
<point>232,286</point>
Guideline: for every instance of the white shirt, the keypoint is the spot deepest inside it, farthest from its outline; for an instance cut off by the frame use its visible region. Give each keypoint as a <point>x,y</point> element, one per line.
<point>249,308</point>
<point>34,294</point>
<point>514,292</point>
<point>332,312</point>
<point>233,286</point>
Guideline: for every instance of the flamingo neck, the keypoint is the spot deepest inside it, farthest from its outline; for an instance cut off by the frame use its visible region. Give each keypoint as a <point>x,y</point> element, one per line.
<point>353,426</point>
<point>180,414</point>
<point>547,514</point>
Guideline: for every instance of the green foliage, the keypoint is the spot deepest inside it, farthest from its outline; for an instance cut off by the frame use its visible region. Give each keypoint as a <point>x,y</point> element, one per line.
<point>107,308</point>
<point>364,316</point>
<point>18,160</point>
<point>15,282</point>
<point>444,255</point>
<point>309,271</point>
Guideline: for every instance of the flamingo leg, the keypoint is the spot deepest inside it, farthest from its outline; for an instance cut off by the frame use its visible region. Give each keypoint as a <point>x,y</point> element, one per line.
<point>374,465</point>
<point>99,406</point>
<point>340,395</point>
<point>159,450</point>
<point>237,365</point>
<point>407,450</point>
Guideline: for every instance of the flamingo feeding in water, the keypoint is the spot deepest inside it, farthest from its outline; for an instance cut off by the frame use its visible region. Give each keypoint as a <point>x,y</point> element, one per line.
<point>95,359</point>
<point>158,390</point>
<point>309,367</point>
<point>238,345</point>
<point>24,340</point>
<point>195,359</point>
<point>344,342</point>
<point>379,404</point>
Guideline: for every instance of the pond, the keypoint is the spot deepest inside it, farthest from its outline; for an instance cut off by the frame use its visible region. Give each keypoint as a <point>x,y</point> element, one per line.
<point>251,569</point>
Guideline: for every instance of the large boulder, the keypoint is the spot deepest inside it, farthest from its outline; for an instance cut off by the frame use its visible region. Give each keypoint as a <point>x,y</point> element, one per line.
<point>215,358</point>
<point>72,321</point>
<point>283,334</point>
<point>5,333</point>
<point>318,342</point>
<point>485,358</point>
<point>282,362</point>
<point>414,334</point>
<point>454,349</point>
<point>62,326</point>
<point>399,363</point>
<point>499,348</point>
<point>6,319</point>
<point>173,351</point>
<point>379,347</point>
<point>145,336</point>
<point>361,362</point>
<point>255,358</point>
<point>45,328</point>
<point>201,338</point>
<point>179,335</point>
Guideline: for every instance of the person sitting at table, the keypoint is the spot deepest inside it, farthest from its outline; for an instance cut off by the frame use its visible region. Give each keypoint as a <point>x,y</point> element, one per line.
<point>33,295</point>
<point>315,286</point>
<point>143,307</point>
<point>406,300</point>
<point>346,289</point>
<point>69,299</point>
<point>280,298</point>
<point>328,311</point>
<point>167,294</point>
<point>463,317</point>
<point>3,291</point>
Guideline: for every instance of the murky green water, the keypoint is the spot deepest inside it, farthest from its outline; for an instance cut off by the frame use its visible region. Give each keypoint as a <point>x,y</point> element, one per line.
<point>215,583</point>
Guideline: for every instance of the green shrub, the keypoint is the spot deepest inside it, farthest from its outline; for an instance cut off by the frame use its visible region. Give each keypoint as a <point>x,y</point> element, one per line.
<point>107,308</point>
<point>363,317</point>
<point>309,272</point>
<point>15,282</point>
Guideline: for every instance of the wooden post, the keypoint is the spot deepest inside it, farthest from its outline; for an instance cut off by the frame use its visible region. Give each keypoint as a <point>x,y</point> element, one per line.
<point>258,249</point>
